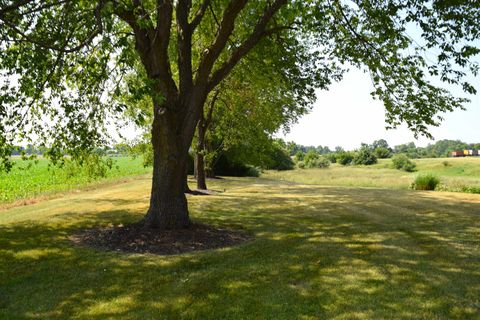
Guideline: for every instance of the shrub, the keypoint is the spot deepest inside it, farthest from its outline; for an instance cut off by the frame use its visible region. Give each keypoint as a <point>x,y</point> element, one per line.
<point>314,160</point>
<point>93,166</point>
<point>320,162</point>
<point>301,165</point>
<point>299,156</point>
<point>471,189</point>
<point>365,156</point>
<point>252,172</point>
<point>332,157</point>
<point>382,153</point>
<point>410,166</point>
<point>310,156</point>
<point>425,182</point>
<point>345,158</point>
<point>402,162</point>
<point>225,166</point>
<point>446,164</point>
<point>279,159</point>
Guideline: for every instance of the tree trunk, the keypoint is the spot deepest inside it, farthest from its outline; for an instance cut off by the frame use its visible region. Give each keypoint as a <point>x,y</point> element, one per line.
<point>209,173</point>
<point>186,188</point>
<point>195,166</point>
<point>168,204</point>
<point>199,157</point>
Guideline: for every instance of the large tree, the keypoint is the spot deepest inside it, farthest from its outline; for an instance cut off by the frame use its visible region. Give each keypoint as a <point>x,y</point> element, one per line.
<point>60,59</point>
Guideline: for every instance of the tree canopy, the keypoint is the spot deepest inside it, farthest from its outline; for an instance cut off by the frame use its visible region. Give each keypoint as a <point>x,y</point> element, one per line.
<point>60,58</point>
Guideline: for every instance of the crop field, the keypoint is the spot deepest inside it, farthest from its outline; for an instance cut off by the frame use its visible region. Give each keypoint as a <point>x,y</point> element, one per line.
<point>30,179</point>
<point>455,174</point>
<point>316,252</point>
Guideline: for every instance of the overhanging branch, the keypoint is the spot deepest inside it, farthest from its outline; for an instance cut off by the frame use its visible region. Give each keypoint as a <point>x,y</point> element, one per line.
<point>64,49</point>
<point>258,33</point>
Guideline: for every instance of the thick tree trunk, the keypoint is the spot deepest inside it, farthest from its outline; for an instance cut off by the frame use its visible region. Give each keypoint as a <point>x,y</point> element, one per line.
<point>186,188</point>
<point>168,204</point>
<point>199,158</point>
<point>195,166</point>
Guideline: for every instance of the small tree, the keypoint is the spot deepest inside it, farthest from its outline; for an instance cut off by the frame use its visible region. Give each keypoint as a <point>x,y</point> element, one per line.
<point>345,157</point>
<point>402,162</point>
<point>382,153</point>
<point>365,156</point>
<point>310,156</point>
<point>299,156</point>
<point>320,162</point>
<point>332,157</point>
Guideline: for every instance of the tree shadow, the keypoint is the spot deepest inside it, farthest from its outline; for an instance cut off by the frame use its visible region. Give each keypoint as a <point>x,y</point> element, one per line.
<point>318,253</point>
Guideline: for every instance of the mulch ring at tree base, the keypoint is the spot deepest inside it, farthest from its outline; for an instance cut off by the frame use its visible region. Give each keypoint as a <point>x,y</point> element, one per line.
<point>136,238</point>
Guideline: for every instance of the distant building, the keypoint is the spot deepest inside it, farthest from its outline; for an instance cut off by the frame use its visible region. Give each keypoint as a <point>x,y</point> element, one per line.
<point>457,154</point>
<point>465,153</point>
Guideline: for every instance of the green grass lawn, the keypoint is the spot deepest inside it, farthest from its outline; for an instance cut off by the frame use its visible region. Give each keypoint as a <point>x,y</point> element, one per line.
<point>454,174</point>
<point>318,253</point>
<point>30,179</point>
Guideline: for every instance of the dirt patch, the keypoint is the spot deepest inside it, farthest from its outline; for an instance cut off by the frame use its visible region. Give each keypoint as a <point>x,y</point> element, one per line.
<point>136,238</point>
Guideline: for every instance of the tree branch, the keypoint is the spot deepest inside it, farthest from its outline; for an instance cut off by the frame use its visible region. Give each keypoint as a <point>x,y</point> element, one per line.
<point>211,106</point>
<point>14,6</point>
<point>152,42</point>
<point>258,33</point>
<point>225,29</point>
<point>199,14</point>
<point>184,43</point>
<point>160,46</point>
<point>44,44</point>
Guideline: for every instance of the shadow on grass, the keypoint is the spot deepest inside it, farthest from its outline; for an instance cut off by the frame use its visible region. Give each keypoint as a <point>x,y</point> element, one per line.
<point>318,253</point>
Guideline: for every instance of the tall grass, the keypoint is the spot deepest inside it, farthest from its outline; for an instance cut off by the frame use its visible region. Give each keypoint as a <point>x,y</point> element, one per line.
<point>425,182</point>
<point>30,179</point>
<point>461,175</point>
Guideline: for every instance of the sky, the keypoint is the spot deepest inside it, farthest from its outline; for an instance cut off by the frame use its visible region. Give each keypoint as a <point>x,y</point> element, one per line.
<point>346,115</point>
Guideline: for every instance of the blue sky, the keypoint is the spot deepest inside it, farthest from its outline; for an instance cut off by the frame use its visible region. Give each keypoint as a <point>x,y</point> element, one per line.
<point>346,115</point>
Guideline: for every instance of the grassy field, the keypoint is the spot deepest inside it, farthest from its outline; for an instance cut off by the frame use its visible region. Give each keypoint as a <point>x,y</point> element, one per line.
<point>318,253</point>
<point>454,174</point>
<point>30,179</point>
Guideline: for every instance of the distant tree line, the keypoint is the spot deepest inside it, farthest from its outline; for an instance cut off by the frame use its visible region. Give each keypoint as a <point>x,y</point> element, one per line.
<point>240,159</point>
<point>32,150</point>
<point>381,149</point>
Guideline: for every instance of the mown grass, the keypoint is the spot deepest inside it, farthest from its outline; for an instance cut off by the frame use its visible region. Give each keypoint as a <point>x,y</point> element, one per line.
<point>30,179</point>
<point>455,174</point>
<point>318,253</point>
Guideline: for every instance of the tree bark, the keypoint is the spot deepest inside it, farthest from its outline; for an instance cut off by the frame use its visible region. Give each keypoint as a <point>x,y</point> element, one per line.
<point>209,172</point>
<point>168,204</point>
<point>186,188</point>
<point>199,156</point>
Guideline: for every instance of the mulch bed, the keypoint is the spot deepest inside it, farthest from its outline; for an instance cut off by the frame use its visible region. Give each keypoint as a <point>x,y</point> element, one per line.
<point>136,238</point>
